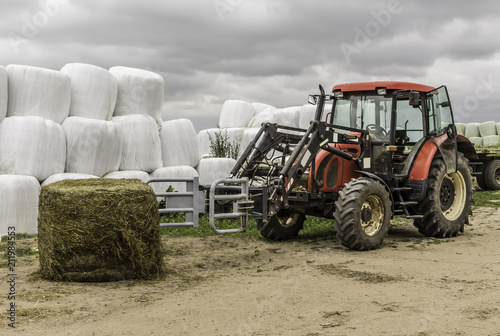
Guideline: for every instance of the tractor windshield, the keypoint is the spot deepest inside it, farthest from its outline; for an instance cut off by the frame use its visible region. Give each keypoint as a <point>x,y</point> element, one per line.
<point>364,112</point>
<point>372,112</point>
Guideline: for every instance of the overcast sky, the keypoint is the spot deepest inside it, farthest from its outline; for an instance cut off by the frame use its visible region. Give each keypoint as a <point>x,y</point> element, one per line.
<point>274,52</point>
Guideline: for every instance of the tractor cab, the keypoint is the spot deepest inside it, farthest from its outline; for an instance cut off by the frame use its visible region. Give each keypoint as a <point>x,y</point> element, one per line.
<point>398,118</point>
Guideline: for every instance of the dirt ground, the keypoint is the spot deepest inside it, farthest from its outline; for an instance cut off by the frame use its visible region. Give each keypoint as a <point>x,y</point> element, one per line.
<point>413,285</point>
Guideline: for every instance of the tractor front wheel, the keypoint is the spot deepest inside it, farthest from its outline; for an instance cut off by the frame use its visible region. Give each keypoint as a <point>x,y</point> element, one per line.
<point>447,204</point>
<point>282,226</point>
<point>363,214</point>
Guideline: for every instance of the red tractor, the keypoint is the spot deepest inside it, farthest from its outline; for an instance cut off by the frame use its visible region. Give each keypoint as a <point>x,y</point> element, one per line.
<point>373,150</point>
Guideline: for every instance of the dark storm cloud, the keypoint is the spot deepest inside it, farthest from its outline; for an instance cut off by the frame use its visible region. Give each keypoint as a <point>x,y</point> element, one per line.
<point>273,51</point>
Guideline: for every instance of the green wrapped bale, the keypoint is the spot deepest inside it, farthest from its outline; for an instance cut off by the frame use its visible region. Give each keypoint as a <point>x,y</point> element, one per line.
<point>99,230</point>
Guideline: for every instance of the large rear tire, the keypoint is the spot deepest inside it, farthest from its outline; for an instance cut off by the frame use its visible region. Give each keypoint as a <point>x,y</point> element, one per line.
<point>363,214</point>
<point>283,226</point>
<point>491,175</point>
<point>447,204</point>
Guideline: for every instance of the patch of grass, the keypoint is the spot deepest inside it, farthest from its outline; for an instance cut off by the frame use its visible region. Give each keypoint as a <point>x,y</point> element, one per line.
<point>488,198</point>
<point>314,227</point>
<point>204,229</point>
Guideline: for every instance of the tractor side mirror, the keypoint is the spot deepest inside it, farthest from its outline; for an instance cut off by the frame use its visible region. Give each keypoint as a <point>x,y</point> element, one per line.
<point>414,99</point>
<point>451,131</point>
<point>313,100</point>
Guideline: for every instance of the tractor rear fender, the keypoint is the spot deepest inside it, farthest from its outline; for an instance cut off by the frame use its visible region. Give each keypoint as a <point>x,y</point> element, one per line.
<point>422,164</point>
<point>466,147</point>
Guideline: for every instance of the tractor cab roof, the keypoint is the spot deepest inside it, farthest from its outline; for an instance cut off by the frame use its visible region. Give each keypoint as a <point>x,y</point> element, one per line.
<point>373,86</point>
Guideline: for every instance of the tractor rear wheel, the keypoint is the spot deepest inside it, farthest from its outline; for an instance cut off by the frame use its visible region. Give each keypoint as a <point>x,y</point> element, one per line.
<point>447,204</point>
<point>282,226</point>
<point>491,175</point>
<point>363,214</point>
<point>480,181</point>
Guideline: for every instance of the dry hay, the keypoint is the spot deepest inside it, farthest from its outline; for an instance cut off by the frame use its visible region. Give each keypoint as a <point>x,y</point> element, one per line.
<point>99,230</point>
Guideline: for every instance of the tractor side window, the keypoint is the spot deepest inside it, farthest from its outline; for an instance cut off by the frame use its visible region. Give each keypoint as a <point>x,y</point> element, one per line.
<point>409,119</point>
<point>439,109</point>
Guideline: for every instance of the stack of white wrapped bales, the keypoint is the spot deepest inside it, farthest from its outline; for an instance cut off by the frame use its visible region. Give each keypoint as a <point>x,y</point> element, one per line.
<point>288,116</point>
<point>489,134</point>
<point>93,142</point>
<point>137,115</point>
<point>180,157</point>
<point>3,93</point>
<point>306,114</point>
<point>19,206</point>
<point>481,134</point>
<point>32,141</point>
<point>265,115</point>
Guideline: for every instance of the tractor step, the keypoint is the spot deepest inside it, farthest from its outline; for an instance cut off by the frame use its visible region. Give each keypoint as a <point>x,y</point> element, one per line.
<point>406,203</point>
<point>412,216</point>
<point>401,189</point>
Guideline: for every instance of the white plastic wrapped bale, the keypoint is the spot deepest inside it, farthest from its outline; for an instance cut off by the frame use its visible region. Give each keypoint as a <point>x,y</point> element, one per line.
<point>66,176</point>
<point>266,116</point>
<point>93,146</point>
<point>472,130</point>
<point>172,172</point>
<point>4,93</point>
<point>491,140</point>
<point>487,128</point>
<point>38,92</point>
<point>212,169</point>
<point>236,113</point>
<point>306,114</point>
<point>288,116</point>
<point>139,92</point>
<point>259,107</point>
<point>141,143</point>
<point>476,141</point>
<point>19,203</point>
<point>498,128</point>
<point>93,91</point>
<point>32,146</point>
<point>235,136</point>
<point>460,128</point>
<point>128,174</point>
<point>179,143</point>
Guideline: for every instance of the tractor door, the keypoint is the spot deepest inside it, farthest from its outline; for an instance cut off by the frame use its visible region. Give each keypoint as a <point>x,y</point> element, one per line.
<point>439,117</point>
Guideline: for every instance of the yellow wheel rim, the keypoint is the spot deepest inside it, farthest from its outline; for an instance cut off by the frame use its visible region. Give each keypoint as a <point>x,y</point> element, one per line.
<point>372,215</point>
<point>459,196</point>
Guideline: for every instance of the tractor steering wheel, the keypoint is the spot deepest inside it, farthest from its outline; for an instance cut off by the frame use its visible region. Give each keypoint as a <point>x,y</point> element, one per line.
<point>376,130</point>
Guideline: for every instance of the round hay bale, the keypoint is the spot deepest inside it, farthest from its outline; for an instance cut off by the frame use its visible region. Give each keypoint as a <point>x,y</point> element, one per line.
<point>99,230</point>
